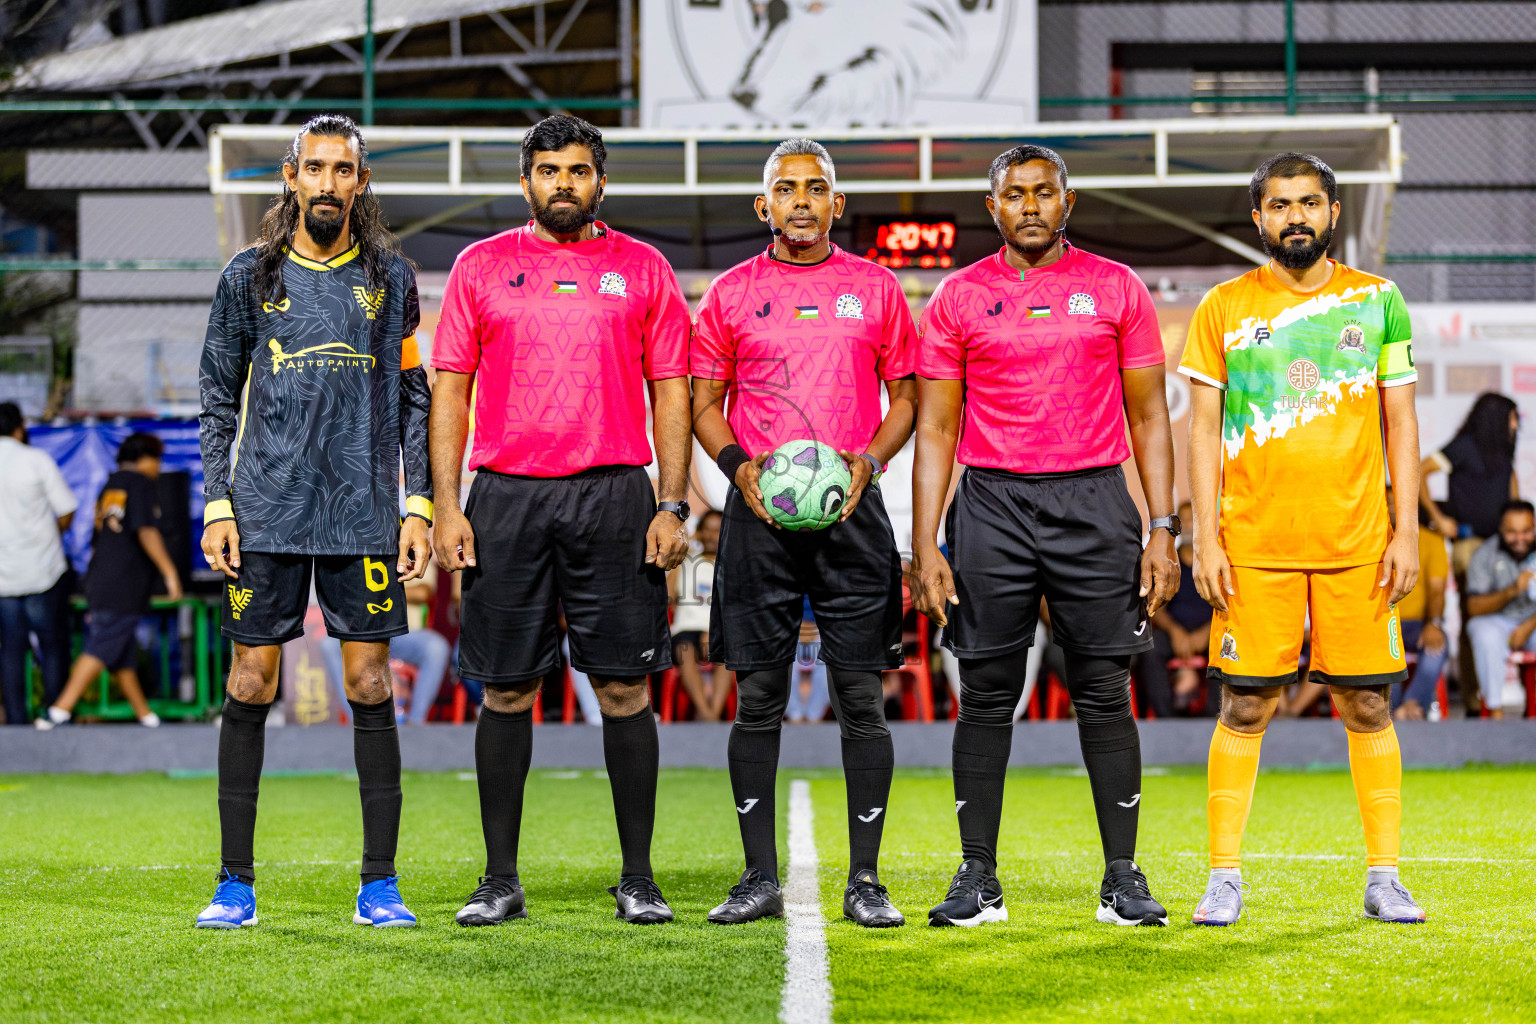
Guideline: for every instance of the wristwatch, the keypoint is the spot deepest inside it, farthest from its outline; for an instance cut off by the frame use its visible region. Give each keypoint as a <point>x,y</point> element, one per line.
<point>1169,523</point>
<point>677,508</point>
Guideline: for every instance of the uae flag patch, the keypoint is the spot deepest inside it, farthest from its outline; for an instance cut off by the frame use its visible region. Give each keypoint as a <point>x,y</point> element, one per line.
<point>1039,311</point>
<point>807,313</point>
<point>565,287</point>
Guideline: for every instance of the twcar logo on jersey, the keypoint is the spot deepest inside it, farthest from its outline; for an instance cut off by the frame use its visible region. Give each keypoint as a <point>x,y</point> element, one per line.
<point>515,282</point>
<point>1081,304</point>
<point>1351,339</point>
<point>378,609</point>
<point>277,307</point>
<point>611,284</point>
<point>333,356</point>
<point>1229,648</point>
<point>761,313</point>
<point>239,600</point>
<point>1302,375</point>
<point>370,301</point>
<point>849,308</point>
<point>995,310</point>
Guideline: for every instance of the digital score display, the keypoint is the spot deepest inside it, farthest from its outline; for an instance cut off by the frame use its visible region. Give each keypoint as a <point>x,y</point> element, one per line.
<point>926,243</point>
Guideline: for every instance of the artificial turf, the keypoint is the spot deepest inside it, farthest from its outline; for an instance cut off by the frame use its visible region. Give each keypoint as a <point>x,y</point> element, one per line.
<point>1302,952</point>
<point>101,876</point>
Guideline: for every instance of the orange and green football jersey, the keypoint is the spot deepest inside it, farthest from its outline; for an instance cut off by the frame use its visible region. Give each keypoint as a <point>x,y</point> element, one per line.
<point>1303,467</point>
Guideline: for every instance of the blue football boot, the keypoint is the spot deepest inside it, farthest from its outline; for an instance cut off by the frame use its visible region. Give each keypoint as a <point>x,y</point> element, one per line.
<point>379,904</point>
<point>233,906</point>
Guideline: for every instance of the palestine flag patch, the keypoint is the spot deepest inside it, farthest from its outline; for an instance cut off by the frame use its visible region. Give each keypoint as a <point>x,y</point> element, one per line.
<point>565,287</point>
<point>1039,311</point>
<point>807,313</point>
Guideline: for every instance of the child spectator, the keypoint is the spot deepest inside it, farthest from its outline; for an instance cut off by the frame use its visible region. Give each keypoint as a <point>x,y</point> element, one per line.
<point>127,555</point>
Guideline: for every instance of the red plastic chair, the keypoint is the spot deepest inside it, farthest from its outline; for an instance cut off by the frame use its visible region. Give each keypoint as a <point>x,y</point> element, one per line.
<point>1526,661</point>
<point>1198,663</point>
<point>915,670</point>
<point>675,703</point>
<point>1057,700</point>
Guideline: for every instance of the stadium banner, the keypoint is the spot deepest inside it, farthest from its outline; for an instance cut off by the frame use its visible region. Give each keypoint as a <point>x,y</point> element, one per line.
<point>829,64</point>
<point>1463,350</point>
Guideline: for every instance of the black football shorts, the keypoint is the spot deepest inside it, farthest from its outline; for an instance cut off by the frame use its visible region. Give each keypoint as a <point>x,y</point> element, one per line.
<point>1072,538</point>
<point>361,597</point>
<point>850,571</point>
<point>577,542</point>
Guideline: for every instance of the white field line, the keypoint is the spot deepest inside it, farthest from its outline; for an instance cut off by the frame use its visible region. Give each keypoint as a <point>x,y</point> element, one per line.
<point>807,995</point>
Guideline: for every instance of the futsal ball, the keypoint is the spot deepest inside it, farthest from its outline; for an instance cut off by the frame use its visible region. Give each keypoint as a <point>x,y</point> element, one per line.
<point>804,485</point>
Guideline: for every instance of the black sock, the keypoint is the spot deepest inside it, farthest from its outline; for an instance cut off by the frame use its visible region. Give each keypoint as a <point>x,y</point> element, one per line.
<point>503,751</point>
<point>242,746</point>
<point>1112,755</point>
<point>980,767</point>
<point>754,761</point>
<point>376,751</point>
<point>867,767</point>
<point>632,753</point>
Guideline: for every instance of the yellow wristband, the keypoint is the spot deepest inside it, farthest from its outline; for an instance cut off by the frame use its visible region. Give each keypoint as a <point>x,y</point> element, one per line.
<point>419,506</point>
<point>215,511</point>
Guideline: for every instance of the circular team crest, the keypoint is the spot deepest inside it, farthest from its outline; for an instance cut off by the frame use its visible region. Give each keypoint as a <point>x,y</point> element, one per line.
<point>1352,338</point>
<point>849,307</point>
<point>1302,375</point>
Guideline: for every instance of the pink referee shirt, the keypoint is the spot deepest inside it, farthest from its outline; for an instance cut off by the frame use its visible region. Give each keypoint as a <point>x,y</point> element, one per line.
<point>1040,352</point>
<point>805,348</point>
<point>561,339</point>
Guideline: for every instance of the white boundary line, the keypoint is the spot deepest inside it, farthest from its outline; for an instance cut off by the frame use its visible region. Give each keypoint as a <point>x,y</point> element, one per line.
<point>807,995</point>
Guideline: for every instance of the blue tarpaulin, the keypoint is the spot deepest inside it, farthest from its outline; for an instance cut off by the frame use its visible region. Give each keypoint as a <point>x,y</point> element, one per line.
<point>87,455</point>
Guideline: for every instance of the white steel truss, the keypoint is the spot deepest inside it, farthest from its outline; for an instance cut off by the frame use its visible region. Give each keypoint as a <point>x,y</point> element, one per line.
<point>1363,149</point>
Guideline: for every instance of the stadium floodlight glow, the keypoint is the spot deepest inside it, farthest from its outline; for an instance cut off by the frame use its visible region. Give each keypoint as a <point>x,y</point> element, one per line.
<point>1363,149</point>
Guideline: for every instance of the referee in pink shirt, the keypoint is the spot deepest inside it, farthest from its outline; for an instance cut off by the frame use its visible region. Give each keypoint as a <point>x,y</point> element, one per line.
<point>560,327</point>
<point>1032,362</point>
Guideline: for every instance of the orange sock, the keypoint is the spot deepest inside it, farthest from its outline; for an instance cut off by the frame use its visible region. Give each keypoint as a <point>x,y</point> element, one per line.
<point>1376,763</point>
<point>1233,767</point>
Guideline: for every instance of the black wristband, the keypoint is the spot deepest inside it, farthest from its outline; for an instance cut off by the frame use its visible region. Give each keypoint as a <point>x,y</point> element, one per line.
<point>730,459</point>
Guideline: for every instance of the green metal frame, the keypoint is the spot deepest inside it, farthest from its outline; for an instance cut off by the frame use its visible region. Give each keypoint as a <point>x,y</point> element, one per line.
<point>208,661</point>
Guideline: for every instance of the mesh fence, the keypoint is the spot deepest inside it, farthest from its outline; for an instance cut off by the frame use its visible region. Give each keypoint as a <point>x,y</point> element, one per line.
<point>1459,77</point>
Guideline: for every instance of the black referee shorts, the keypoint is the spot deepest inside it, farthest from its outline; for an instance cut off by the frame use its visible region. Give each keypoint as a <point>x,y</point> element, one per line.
<point>575,541</point>
<point>1072,538</point>
<point>850,571</point>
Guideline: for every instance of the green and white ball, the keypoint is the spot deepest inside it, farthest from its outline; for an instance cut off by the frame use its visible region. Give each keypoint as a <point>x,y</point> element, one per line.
<point>805,485</point>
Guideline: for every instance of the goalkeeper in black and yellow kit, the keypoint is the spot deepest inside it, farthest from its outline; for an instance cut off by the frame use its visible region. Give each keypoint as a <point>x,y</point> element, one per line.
<point>313,394</point>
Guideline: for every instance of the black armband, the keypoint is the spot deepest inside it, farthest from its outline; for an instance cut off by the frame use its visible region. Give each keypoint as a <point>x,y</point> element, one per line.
<point>730,459</point>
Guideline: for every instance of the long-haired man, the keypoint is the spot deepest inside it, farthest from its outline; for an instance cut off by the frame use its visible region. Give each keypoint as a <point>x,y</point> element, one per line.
<point>312,393</point>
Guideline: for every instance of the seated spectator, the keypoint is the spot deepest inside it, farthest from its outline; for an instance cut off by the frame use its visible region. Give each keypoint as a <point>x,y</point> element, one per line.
<point>808,695</point>
<point>1181,630</point>
<point>37,506</point>
<point>1480,463</point>
<point>422,648</point>
<point>127,556</point>
<point>1500,601</point>
<point>692,584</point>
<point>1421,614</point>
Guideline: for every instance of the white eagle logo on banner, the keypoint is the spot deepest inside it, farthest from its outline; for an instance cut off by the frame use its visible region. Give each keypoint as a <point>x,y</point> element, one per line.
<point>837,63</point>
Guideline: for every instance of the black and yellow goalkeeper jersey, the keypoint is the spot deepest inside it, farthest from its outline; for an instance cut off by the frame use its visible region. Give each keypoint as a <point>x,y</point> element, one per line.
<point>311,405</point>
